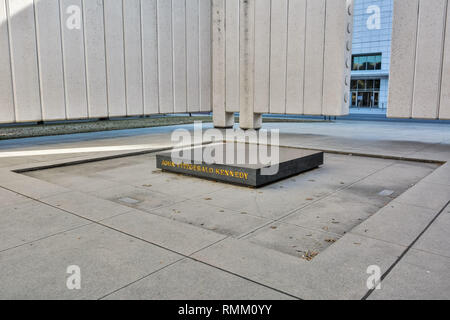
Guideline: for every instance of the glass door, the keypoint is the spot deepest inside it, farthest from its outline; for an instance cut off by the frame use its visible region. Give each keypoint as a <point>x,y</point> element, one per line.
<point>365,93</point>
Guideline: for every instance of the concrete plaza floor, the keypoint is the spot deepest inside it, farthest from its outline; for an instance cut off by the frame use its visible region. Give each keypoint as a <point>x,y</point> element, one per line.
<point>381,199</point>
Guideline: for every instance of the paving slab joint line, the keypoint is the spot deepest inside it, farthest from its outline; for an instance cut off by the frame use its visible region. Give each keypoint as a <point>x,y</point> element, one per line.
<point>425,148</point>
<point>141,278</point>
<point>188,257</point>
<point>165,248</point>
<point>368,294</point>
<point>46,237</point>
<point>131,154</point>
<point>65,163</point>
<point>288,214</point>
<point>395,244</point>
<point>357,154</point>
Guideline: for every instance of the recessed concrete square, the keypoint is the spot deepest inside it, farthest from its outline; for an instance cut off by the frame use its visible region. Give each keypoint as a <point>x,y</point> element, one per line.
<point>200,214</point>
<point>138,198</point>
<point>328,202</point>
<point>338,214</point>
<point>296,241</point>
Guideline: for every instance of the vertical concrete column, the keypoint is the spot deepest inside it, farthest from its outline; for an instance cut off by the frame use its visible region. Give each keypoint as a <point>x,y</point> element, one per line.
<point>403,58</point>
<point>444,111</point>
<point>222,118</point>
<point>248,119</point>
<point>314,56</point>
<point>24,61</point>
<point>429,56</point>
<point>337,57</point>
<point>7,112</point>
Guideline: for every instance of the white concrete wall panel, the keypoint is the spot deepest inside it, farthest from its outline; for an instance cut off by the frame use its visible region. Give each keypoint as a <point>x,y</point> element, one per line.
<point>95,58</point>
<point>419,81</point>
<point>314,55</point>
<point>149,18</point>
<point>247,64</point>
<point>133,57</point>
<point>296,56</point>
<point>165,56</point>
<point>222,118</point>
<point>444,111</point>
<point>22,30</point>
<point>296,68</point>
<point>430,37</point>
<point>48,30</point>
<point>115,60</point>
<point>403,58</point>
<point>262,56</point>
<point>232,55</point>
<point>205,55</point>
<point>77,59</point>
<point>278,55</point>
<point>179,58</point>
<point>74,59</point>
<point>193,55</point>
<point>218,56</point>
<point>337,59</point>
<point>7,113</point>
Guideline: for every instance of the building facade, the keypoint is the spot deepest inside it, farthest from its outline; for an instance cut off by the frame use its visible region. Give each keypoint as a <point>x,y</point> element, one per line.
<point>371,53</point>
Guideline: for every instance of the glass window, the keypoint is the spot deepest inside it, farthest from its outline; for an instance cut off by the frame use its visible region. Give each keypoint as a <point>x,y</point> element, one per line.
<point>361,84</point>
<point>354,85</point>
<point>376,84</point>
<point>371,63</point>
<point>378,62</point>
<point>366,62</point>
<point>355,63</point>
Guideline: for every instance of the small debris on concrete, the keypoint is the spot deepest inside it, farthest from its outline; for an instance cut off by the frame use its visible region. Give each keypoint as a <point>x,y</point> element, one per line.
<point>309,255</point>
<point>129,200</point>
<point>386,193</point>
